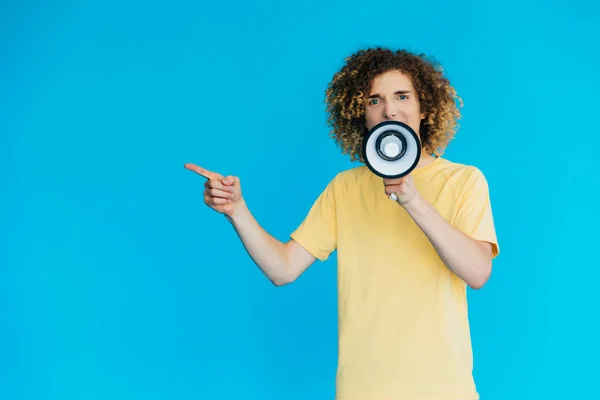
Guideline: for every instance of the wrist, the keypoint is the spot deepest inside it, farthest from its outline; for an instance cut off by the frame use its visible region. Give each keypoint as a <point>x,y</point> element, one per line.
<point>415,204</point>
<point>239,213</point>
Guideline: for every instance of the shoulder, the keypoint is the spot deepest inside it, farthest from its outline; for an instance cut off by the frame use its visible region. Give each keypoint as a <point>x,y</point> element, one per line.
<point>354,178</point>
<point>343,184</point>
<point>353,174</point>
<point>462,174</point>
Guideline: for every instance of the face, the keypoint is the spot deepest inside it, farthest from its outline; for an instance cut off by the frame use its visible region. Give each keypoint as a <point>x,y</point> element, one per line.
<point>393,98</point>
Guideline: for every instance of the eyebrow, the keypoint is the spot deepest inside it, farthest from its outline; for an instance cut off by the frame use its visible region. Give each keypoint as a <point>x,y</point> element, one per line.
<point>378,96</point>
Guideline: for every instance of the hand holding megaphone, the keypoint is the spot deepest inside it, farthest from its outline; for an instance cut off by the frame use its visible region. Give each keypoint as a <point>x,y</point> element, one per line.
<point>401,190</point>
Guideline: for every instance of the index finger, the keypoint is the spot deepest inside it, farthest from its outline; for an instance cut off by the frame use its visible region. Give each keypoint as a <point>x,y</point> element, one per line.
<point>202,171</point>
<point>395,181</point>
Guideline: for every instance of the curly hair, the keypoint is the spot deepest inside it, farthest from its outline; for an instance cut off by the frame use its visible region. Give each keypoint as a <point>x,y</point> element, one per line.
<point>347,93</point>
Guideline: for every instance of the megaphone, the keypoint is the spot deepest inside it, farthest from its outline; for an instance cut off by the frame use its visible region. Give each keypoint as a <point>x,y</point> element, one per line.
<point>391,150</point>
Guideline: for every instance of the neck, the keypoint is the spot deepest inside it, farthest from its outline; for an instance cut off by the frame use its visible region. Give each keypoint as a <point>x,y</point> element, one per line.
<point>426,159</point>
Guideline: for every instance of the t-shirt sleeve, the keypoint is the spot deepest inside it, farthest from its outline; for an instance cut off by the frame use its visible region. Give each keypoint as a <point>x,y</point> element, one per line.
<point>474,216</point>
<point>318,232</point>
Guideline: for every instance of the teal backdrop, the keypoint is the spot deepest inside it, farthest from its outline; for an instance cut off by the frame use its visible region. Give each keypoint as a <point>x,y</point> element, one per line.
<point>117,282</point>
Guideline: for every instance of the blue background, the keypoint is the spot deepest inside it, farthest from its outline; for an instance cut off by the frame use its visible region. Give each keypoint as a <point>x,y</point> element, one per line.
<point>117,282</point>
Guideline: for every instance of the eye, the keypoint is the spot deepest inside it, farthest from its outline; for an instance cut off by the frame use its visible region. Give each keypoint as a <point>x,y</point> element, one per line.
<point>403,97</point>
<point>373,101</point>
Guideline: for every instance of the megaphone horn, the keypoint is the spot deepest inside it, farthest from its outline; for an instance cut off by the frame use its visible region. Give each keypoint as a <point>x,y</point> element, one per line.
<point>391,149</point>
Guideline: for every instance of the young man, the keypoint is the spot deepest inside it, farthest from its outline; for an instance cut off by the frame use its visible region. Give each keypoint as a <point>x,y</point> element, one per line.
<point>403,265</point>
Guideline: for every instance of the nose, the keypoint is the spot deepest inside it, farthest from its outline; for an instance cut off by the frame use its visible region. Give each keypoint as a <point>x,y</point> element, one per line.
<point>390,111</point>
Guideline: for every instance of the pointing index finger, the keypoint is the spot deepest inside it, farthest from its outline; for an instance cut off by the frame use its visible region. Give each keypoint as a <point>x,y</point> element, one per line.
<point>202,171</point>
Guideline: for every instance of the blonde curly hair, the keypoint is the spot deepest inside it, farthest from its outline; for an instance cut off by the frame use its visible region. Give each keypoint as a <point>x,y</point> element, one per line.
<point>348,91</point>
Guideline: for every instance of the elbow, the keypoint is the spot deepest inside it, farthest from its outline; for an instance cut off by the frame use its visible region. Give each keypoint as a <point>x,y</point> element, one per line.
<point>284,274</point>
<point>482,277</point>
<point>282,280</point>
<point>476,285</point>
<point>483,268</point>
<point>279,282</point>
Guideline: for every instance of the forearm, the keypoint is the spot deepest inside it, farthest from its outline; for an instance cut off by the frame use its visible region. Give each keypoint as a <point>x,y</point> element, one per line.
<point>268,253</point>
<point>460,253</point>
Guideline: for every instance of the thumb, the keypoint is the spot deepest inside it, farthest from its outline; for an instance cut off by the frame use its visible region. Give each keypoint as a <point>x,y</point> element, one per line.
<point>231,180</point>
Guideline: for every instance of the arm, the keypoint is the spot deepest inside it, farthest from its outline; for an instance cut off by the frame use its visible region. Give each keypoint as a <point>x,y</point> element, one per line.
<point>468,258</point>
<point>281,262</point>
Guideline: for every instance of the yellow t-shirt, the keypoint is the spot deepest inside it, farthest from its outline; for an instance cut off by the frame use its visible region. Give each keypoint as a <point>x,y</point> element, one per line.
<point>403,323</point>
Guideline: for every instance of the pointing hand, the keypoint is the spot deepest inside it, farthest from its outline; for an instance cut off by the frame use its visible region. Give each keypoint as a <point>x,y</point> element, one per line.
<point>222,194</point>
